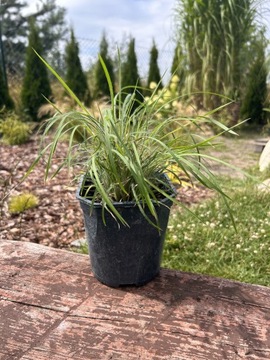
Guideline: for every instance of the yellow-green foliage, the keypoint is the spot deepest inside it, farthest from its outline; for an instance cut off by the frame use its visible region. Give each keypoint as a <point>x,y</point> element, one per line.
<point>19,203</point>
<point>14,131</point>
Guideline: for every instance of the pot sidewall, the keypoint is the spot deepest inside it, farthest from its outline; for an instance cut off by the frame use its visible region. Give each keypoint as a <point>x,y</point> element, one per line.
<point>122,255</point>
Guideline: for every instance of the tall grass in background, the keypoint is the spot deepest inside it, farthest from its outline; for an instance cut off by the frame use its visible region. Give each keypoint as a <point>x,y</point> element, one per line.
<point>216,43</point>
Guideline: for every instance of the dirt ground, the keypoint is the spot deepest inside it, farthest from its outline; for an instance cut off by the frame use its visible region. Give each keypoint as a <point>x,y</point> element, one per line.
<point>239,152</point>
<point>57,220</point>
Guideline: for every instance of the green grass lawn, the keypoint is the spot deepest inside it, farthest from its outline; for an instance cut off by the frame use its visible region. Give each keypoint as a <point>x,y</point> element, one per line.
<point>211,245</point>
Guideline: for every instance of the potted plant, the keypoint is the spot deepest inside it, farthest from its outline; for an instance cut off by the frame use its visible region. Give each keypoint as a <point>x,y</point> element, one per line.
<point>123,158</point>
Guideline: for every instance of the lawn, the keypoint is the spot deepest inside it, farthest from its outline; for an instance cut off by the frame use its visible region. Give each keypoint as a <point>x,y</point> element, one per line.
<point>209,243</point>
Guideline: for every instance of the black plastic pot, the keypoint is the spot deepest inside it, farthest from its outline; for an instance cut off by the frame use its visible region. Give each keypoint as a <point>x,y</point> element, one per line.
<point>122,255</point>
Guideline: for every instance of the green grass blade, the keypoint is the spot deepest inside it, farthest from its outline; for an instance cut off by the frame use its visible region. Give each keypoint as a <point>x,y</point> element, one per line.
<point>62,82</point>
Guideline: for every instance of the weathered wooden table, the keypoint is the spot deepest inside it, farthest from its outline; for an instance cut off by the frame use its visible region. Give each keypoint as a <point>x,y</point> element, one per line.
<point>52,308</point>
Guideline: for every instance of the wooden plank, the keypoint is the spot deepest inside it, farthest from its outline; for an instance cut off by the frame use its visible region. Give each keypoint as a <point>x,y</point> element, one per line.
<point>16,252</point>
<point>178,316</point>
<point>21,326</point>
<point>30,273</point>
<point>137,324</point>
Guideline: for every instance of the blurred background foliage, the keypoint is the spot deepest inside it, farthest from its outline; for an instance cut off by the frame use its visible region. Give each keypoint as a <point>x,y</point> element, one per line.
<point>221,53</point>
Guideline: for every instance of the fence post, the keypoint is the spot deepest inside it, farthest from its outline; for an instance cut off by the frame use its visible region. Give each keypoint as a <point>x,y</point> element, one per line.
<point>2,58</point>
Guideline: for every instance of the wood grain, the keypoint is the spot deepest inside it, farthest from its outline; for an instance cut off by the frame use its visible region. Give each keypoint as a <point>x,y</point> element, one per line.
<point>51,307</point>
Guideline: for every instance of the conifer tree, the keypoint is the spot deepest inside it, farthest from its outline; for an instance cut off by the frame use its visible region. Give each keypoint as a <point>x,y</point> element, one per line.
<point>130,74</point>
<point>154,73</point>
<point>75,77</point>
<point>101,85</point>
<point>5,100</point>
<point>256,88</point>
<point>36,83</point>
<point>15,15</point>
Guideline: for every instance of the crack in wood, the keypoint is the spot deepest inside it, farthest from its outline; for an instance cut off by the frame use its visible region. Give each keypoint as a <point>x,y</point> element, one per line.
<point>57,309</point>
<point>96,318</point>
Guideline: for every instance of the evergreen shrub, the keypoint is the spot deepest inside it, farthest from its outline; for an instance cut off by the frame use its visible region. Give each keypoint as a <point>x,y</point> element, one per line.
<point>101,85</point>
<point>75,77</point>
<point>5,99</point>
<point>36,83</point>
<point>154,73</point>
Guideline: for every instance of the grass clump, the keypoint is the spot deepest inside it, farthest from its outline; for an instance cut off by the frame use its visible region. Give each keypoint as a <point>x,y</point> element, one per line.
<point>124,151</point>
<point>20,203</point>
<point>14,131</point>
<point>212,246</point>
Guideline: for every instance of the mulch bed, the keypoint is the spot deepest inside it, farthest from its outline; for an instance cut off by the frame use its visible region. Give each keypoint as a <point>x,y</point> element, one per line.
<point>57,220</point>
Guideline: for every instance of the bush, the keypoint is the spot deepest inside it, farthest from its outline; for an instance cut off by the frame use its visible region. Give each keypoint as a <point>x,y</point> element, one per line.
<point>19,203</point>
<point>14,131</point>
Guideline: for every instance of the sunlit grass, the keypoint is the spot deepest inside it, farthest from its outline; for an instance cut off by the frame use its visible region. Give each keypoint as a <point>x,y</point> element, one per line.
<point>212,246</point>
